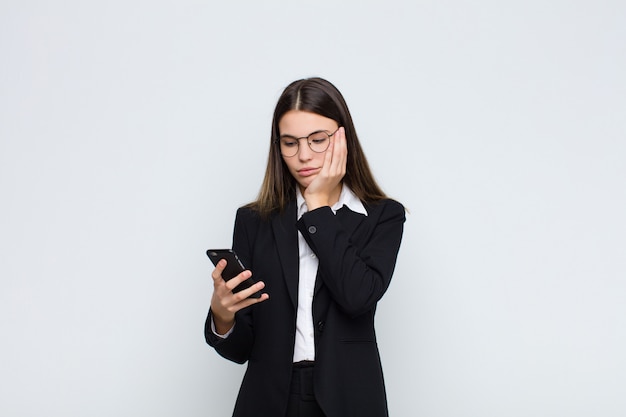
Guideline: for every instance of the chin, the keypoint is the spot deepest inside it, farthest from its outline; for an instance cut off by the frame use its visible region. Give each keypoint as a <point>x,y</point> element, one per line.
<point>302,187</point>
<point>304,184</point>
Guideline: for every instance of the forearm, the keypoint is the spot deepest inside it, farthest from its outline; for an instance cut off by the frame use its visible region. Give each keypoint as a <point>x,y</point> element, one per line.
<point>356,273</point>
<point>234,344</point>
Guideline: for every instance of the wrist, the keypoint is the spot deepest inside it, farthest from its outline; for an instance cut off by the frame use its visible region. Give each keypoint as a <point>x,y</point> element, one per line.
<point>221,320</point>
<point>315,203</point>
<point>222,326</point>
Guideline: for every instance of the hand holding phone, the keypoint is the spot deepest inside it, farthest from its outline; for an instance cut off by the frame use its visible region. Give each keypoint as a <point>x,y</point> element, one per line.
<point>233,268</point>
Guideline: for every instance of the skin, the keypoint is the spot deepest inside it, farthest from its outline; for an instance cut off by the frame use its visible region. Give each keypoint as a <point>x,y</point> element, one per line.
<point>319,176</point>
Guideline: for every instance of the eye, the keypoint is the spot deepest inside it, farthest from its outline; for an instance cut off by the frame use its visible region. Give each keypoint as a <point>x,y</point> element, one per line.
<point>288,143</point>
<point>318,138</point>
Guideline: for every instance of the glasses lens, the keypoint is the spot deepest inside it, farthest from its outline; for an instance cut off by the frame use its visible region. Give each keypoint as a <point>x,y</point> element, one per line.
<point>288,147</point>
<point>319,142</point>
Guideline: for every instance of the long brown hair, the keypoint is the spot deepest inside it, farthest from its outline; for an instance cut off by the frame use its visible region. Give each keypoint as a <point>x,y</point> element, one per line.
<point>319,96</point>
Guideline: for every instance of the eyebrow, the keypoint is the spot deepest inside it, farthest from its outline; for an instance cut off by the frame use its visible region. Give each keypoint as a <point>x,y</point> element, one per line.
<point>301,137</point>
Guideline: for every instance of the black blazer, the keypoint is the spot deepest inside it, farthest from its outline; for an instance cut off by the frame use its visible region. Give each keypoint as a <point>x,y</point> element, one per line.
<point>357,256</point>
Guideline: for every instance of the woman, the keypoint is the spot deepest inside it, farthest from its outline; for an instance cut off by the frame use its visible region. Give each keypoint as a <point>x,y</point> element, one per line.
<point>321,240</point>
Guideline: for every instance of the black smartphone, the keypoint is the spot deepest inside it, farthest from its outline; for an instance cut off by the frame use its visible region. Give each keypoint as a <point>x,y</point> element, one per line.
<point>233,268</point>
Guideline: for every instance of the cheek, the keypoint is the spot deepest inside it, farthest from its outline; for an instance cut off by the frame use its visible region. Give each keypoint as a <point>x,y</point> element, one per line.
<point>290,166</point>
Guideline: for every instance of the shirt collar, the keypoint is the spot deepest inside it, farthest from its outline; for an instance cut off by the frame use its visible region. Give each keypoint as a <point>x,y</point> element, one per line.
<point>346,198</point>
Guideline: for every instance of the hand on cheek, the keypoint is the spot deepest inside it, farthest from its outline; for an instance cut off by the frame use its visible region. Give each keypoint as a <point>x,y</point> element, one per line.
<point>324,190</point>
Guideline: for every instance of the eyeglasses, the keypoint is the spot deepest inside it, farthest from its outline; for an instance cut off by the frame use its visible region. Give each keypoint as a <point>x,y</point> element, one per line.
<point>318,142</point>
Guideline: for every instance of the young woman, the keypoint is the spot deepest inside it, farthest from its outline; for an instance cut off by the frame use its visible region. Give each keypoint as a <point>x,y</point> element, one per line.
<point>321,240</point>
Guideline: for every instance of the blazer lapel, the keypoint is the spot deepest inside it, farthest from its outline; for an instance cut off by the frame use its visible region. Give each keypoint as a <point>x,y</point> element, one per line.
<point>286,235</point>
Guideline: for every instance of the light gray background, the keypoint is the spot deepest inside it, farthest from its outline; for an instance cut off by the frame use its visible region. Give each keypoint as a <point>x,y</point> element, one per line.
<point>132,130</point>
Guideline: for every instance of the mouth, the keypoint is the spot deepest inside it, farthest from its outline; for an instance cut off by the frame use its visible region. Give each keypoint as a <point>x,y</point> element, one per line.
<point>306,172</point>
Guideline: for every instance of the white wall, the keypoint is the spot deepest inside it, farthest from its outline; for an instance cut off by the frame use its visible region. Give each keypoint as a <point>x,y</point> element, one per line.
<point>130,131</point>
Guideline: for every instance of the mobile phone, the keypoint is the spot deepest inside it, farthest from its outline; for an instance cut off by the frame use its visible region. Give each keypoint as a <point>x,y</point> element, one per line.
<point>233,268</point>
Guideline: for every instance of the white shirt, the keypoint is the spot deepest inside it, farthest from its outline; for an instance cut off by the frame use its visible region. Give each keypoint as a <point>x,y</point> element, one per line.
<point>304,348</point>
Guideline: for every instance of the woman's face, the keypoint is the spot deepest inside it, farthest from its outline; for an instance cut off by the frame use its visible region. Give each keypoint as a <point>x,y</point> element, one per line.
<point>306,164</point>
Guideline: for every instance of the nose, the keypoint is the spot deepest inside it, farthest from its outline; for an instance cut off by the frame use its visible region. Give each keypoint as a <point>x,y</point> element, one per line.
<point>304,150</point>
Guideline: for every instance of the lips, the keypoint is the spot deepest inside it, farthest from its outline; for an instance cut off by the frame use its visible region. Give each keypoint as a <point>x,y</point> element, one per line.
<point>306,172</point>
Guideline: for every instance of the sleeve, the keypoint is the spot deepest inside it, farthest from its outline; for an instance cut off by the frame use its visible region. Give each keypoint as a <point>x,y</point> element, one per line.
<point>356,276</point>
<point>221,336</point>
<point>238,345</point>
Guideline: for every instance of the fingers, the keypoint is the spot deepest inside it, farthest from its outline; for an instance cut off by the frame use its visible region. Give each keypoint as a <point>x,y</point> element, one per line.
<point>340,153</point>
<point>328,157</point>
<point>232,283</point>
<point>242,298</point>
<point>224,302</point>
<point>337,155</point>
<point>217,272</point>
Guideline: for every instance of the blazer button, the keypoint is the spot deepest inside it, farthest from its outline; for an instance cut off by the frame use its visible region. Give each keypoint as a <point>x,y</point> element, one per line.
<point>312,229</point>
<point>320,326</point>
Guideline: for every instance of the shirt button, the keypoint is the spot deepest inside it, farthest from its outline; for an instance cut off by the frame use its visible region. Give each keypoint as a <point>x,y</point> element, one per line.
<point>312,229</point>
<point>313,255</point>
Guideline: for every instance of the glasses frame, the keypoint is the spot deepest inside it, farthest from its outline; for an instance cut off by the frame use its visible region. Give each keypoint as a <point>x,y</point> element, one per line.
<point>330,135</point>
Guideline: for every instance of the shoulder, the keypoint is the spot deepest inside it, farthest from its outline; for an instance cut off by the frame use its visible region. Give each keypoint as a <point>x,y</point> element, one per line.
<point>247,218</point>
<point>386,208</point>
<point>247,212</point>
<point>251,214</point>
